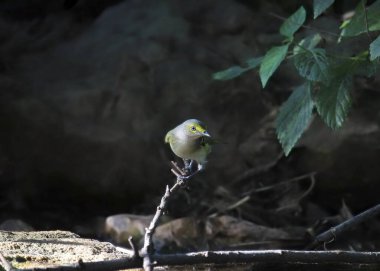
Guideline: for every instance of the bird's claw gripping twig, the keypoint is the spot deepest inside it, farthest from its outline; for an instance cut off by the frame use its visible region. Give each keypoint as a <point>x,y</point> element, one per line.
<point>184,177</point>
<point>179,175</point>
<point>187,166</point>
<point>183,173</point>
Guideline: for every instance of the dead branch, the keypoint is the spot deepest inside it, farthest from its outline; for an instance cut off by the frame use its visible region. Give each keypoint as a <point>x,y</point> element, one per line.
<point>147,252</point>
<point>337,231</point>
<point>228,257</point>
<point>270,256</point>
<point>111,265</point>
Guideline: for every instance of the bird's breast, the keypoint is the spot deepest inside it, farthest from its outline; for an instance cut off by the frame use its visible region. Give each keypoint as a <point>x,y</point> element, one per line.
<point>189,148</point>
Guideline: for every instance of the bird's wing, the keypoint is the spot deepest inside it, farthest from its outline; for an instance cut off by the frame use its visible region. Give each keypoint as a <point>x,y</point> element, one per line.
<point>168,136</point>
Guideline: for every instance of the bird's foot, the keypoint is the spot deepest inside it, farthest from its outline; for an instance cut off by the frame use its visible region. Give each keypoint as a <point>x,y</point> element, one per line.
<point>183,173</point>
<point>182,176</point>
<point>187,166</point>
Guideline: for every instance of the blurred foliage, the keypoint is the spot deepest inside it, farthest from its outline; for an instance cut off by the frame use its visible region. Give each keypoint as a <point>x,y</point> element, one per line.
<point>328,77</point>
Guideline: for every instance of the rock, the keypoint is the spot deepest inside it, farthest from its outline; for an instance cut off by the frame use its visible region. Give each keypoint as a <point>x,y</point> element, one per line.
<point>219,233</point>
<point>121,227</point>
<point>54,248</point>
<point>91,110</point>
<point>184,233</point>
<point>224,231</point>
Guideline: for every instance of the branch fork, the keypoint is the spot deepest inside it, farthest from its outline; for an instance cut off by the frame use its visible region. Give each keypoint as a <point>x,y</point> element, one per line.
<point>182,174</point>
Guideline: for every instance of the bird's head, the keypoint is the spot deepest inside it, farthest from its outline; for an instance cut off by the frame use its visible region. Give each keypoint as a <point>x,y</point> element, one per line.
<point>195,127</point>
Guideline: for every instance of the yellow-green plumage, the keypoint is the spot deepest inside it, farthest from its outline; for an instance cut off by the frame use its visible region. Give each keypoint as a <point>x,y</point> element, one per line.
<point>190,140</point>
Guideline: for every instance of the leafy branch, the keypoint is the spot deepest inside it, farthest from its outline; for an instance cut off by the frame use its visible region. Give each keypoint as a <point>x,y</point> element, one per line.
<point>328,78</point>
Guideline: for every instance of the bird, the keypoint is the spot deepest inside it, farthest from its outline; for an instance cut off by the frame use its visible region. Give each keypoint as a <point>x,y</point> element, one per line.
<point>191,142</point>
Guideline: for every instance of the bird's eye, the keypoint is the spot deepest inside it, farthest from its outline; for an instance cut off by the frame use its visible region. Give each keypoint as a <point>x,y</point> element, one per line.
<point>193,128</point>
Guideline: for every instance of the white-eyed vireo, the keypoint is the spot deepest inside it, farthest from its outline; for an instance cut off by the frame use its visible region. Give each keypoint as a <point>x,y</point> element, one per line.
<point>190,141</point>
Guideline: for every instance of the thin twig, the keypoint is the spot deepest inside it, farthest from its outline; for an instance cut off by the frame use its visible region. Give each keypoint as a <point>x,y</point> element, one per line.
<point>304,26</point>
<point>335,232</point>
<point>6,265</point>
<point>310,188</point>
<point>134,247</point>
<point>304,194</point>
<point>366,20</point>
<point>257,170</point>
<point>286,182</point>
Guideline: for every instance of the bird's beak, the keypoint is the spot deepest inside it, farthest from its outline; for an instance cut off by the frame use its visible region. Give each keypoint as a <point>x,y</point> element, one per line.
<point>206,134</point>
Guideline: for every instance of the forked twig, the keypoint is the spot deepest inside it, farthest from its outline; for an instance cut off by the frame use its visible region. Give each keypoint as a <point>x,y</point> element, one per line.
<point>183,175</point>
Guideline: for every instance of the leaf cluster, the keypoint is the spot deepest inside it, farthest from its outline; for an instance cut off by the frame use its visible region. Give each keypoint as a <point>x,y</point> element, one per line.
<point>328,78</point>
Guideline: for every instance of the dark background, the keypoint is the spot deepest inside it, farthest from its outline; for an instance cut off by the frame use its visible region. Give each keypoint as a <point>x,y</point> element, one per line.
<point>89,88</point>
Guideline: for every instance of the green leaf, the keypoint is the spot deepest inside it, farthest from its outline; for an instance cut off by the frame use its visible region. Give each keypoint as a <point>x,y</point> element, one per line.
<point>294,117</point>
<point>344,24</point>
<point>369,68</point>
<point>341,69</point>
<point>271,61</point>
<point>236,71</point>
<point>293,23</point>
<point>319,6</point>
<point>374,49</point>
<point>229,73</point>
<point>333,101</point>
<point>254,62</point>
<point>312,64</point>
<point>307,43</point>
<point>357,25</point>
